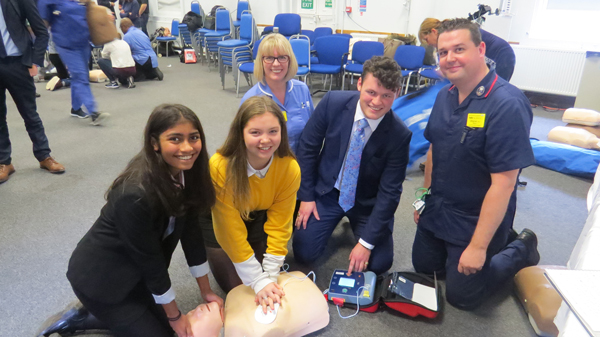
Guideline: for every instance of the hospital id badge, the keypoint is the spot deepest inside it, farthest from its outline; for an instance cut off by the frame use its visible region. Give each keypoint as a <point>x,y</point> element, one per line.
<point>475,120</point>
<point>419,206</point>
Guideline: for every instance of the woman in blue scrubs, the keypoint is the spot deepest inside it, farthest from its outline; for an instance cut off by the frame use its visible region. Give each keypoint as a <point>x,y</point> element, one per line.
<point>71,36</point>
<point>274,68</point>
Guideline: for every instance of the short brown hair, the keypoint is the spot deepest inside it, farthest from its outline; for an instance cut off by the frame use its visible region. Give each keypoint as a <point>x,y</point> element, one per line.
<point>386,70</point>
<point>126,23</point>
<point>451,25</point>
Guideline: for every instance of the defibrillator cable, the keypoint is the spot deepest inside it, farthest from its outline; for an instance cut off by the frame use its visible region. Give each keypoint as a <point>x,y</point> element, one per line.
<point>357,305</point>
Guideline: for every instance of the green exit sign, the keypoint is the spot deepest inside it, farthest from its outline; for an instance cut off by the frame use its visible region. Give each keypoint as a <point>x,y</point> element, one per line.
<point>307,4</point>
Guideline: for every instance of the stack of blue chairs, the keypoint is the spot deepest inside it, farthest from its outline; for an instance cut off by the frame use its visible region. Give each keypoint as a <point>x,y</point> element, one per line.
<point>410,59</point>
<point>231,52</point>
<point>247,68</point>
<point>301,47</point>
<point>222,32</point>
<point>242,6</point>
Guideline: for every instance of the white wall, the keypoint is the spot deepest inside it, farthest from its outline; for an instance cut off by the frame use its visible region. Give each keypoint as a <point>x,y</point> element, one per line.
<point>397,16</point>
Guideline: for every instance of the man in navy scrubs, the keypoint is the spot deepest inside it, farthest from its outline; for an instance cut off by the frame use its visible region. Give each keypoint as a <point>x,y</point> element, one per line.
<point>479,134</point>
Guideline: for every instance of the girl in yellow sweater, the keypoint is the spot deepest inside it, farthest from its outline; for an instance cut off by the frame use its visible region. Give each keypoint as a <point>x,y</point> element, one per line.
<point>256,178</point>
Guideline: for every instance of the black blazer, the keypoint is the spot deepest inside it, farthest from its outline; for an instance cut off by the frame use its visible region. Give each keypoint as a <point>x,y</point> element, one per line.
<point>382,167</point>
<point>15,14</point>
<point>125,247</point>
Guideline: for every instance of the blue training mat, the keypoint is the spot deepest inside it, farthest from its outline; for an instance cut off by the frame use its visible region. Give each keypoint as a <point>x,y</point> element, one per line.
<point>414,111</point>
<point>565,158</point>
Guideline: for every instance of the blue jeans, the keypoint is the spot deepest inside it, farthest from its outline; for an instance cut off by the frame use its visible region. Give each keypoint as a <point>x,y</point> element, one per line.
<point>14,77</point>
<point>431,254</point>
<point>310,243</point>
<point>77,62</point>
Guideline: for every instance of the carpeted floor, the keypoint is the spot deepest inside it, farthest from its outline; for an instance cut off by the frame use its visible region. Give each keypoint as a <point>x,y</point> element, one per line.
<point>43,216</point>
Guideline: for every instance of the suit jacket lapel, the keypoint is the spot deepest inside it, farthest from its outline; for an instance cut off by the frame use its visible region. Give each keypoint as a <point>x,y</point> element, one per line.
<point>377,138</point>
<point>347,121</point>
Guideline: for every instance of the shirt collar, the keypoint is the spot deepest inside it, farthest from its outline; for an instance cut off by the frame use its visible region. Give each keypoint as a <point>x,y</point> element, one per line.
<point>483,88</point>
<point>259,173</point>
<point>358,115</point>
<point>264,88</point>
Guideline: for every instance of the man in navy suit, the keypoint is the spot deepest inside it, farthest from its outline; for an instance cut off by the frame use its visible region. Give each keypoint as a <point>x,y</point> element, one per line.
<point>353,154</point>
<point>20,57</point>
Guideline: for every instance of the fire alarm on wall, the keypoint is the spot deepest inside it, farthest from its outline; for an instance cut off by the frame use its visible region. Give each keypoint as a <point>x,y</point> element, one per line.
<point>348,9</point>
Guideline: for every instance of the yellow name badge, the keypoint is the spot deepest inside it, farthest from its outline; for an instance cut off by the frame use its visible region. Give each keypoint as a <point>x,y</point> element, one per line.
<point>476,120</point>
<point>284,115</point>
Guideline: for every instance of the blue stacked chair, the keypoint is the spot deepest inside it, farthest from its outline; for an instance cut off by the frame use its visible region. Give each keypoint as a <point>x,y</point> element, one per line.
<point>333,53</point>
<point>410,59</point>
<point>301,47</point>
<point>242,6</point>
<point>197,9</point>
<point>185,36</point>
<point>288,24</point>
<point>319,31</point>
<point>247,68</point>
<point>231,52</point>
<point>431,73</point>
<point>169,39</point>
<point>361,52</point>
<point>222,32</point>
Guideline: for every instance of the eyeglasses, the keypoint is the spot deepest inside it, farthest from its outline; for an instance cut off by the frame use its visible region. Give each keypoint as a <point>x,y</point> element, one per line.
<point>280,59</point>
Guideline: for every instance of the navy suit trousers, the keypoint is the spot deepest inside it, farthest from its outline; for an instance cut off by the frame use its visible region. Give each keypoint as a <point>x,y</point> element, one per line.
<point>14,77</point>
<point>431,254</point>
<point>309,243</point>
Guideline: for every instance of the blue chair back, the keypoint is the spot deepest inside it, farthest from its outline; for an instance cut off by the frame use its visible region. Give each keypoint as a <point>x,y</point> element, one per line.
<point>241,7</point>
<point>309,34</point>
<point>321,31</point>
<point>409,57</point>
<point>331,49</point>
<point>246,27</point>
<point>345,35</point>
<point>364,50</point>
<point>288,23</point>
<point>301,48</point>
<point>223,20</point>
<point>196,8</point>
<point>175,27</point>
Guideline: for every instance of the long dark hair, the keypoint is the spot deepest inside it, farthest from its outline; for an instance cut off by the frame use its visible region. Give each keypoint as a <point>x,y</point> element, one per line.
<point>149,170</point>
<point>234,148</point>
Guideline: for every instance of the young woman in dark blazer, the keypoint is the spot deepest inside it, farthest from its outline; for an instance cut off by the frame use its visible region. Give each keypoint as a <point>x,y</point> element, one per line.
<point>119,270</point>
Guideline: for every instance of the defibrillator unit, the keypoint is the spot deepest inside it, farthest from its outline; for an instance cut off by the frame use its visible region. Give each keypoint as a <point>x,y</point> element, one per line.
<point>410,293</point>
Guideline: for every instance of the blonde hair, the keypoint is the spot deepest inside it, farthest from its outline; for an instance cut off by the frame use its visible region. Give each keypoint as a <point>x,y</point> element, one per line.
<point>267,46</point>
<point>427,25</point>
<point>234,149</point>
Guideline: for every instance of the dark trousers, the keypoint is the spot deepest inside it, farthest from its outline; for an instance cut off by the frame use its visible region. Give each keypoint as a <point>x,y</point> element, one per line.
<point>431,254</point>
<point>136,316</point>
<point>310,243</point>
<point>115,73</point>
<point>145,71</point>
<point>61,70</point>
<point>144,23</point>
<point>14,77</point>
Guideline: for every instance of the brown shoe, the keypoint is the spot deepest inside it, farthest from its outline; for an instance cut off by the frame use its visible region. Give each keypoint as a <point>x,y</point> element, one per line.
<point>5,172</point>
<point>52,165</point>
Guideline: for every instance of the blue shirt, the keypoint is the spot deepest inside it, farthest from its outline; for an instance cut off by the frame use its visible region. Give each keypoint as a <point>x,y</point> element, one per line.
<point>496,48</point>
<point>487,133</point>
<point>68,23</point>
<point>9,45</point>
<point>140,45</point>
<point>297,108</point>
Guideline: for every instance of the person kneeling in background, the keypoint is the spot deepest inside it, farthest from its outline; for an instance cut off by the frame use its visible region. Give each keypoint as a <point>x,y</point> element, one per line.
<point>146,62</point>
<point>118,64</point>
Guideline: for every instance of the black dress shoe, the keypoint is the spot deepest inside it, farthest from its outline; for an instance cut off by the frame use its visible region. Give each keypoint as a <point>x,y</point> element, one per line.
<point>530,241</point>
<point>67,321</point>
<point>512,236</point>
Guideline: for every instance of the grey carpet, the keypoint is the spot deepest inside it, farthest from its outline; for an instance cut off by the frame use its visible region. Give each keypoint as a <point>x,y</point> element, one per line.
<point>43,216</point>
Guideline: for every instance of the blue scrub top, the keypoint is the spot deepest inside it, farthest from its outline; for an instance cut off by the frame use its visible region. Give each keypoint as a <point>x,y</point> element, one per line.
<point>496,48</point>
<point>68,23</point>
<point>141,49</point>
<point>487,133</point>
<point>298,106</point>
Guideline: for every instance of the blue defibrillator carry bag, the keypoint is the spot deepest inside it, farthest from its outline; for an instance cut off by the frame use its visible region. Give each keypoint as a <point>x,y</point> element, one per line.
<point>565,158</point>
<point>414,111</point>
